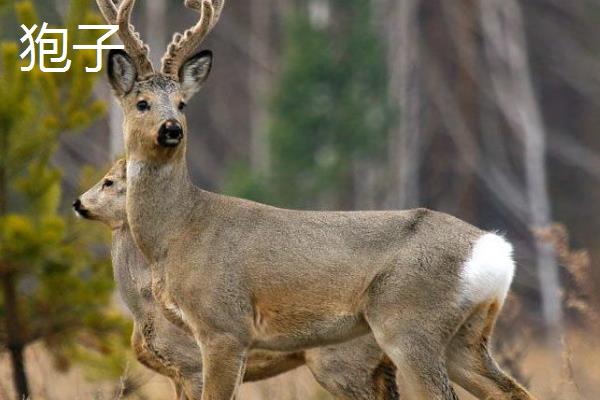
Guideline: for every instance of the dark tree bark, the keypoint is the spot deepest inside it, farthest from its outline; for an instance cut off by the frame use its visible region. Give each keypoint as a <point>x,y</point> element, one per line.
<point>15,343</point>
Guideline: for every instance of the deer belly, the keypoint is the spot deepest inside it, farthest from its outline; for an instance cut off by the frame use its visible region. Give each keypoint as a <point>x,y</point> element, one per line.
<point>292,328</point>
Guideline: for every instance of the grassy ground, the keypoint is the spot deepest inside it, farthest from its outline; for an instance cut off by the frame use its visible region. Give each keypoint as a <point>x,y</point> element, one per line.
<point>572,375</point>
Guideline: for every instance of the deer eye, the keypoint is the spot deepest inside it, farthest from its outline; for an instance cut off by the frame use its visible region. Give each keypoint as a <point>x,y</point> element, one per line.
<point>142,105</point>
<point>181,106</point>
<point>107,183</point>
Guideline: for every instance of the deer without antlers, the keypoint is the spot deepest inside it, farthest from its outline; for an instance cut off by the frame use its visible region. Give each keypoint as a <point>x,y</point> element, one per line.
<point>354,370</point>
<point>240,275</point>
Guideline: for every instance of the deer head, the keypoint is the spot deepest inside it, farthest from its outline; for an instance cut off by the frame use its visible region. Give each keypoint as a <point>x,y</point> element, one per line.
<point>153,102</point>
<point>105,201</point>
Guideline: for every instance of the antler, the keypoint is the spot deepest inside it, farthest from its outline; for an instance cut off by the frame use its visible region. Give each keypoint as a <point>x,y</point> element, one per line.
<point>137,50</point>
<point>108,9</point>
<point>183,46</point>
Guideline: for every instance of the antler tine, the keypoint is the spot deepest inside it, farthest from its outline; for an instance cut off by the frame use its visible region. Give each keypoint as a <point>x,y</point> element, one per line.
<point>182,46</point>
<point>108,9</point>
<point>217,8</point>
<point>137,50</point>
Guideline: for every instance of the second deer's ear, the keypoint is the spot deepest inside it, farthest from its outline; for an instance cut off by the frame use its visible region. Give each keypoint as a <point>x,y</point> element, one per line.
<point>121,71</point>
<point>194,71</point>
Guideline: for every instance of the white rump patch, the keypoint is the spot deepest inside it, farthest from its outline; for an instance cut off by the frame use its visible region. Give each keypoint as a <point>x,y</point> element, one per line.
<point>489,271</point>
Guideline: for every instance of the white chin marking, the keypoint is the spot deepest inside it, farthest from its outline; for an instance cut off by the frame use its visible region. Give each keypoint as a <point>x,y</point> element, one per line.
<point>133,169</point>
<point>489,271</point>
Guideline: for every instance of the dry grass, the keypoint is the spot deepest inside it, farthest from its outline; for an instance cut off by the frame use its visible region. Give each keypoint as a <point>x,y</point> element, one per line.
<point>47,383</point>
<point>579,378</point>
<point>579,292</point>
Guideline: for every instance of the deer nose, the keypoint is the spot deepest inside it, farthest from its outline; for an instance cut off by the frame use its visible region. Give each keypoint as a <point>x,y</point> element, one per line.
<point>170,133</point>
<point>80,211</point>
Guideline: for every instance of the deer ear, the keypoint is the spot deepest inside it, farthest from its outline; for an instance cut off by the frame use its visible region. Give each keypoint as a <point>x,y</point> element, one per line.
<point>194,71</point>
<point>121,71</point>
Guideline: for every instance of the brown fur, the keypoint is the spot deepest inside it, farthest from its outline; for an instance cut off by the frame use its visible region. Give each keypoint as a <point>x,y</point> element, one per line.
<point>243,276</point>
<point>356,370</point>
<point>260,277</point>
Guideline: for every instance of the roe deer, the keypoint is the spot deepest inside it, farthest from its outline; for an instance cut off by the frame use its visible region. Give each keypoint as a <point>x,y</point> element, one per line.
<point>241,275</point>
<point>354,370</point>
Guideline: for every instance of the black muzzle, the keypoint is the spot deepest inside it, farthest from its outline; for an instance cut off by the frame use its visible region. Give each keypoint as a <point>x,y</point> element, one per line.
<point>170,134</point>
<point>79,210</point>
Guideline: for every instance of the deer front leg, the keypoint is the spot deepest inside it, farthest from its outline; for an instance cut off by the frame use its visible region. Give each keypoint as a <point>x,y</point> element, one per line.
<point>224,360</point>
<point>179,392</point>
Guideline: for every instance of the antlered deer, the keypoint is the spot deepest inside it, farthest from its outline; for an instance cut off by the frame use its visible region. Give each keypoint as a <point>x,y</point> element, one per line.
<point>354,370</point>
<point>242,275</point>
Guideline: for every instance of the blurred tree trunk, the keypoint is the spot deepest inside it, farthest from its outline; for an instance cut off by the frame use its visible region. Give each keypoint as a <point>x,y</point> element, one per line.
<point>15,344</point>
<point>506,47</point>
<point>259,84</point>
<point>319,12</point>
<point>283,8</point>
<point>155,13</point>
<point>403,40</point>
<point>461,18</point>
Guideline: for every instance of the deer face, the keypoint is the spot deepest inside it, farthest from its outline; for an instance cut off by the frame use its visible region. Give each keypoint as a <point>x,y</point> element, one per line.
<point>154,107</point>
<point>153,102</point>
<point>105,201</point>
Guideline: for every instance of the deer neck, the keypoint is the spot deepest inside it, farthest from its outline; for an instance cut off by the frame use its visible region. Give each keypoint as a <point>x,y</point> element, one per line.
<point>159,196</point>
<point>131,272</point>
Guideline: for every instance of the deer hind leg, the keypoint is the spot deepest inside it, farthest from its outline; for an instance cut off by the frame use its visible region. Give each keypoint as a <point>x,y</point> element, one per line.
<point>421,370</point>
<point>354,370</point>
<point>416,345</point>
<point>471,365</point>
